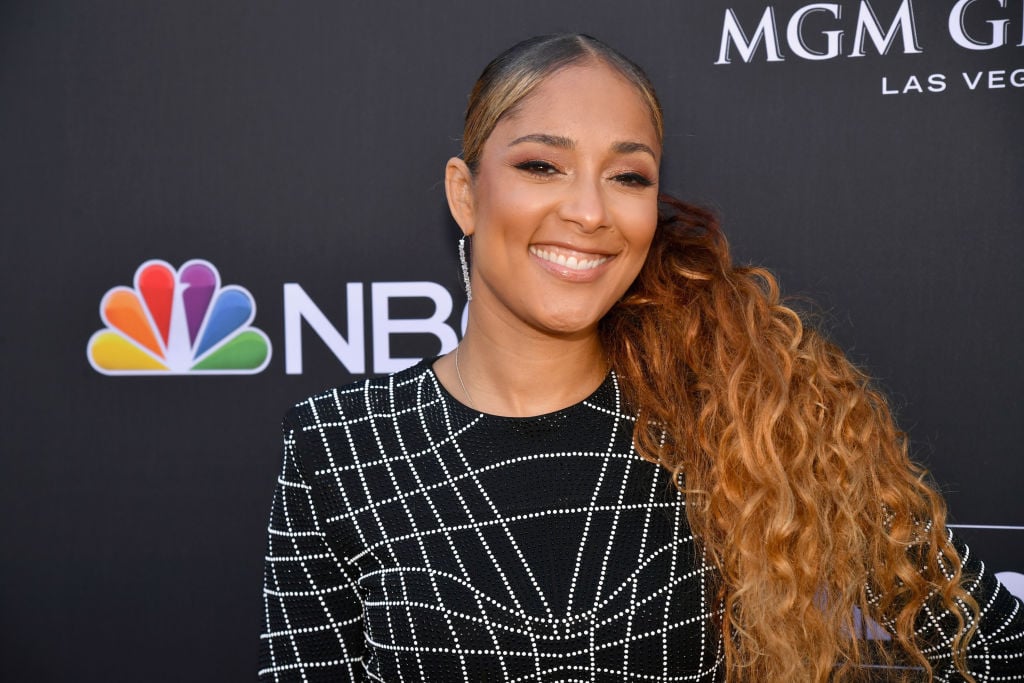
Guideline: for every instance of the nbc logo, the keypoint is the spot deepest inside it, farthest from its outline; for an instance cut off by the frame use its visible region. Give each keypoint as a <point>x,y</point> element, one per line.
<point>178,322</point>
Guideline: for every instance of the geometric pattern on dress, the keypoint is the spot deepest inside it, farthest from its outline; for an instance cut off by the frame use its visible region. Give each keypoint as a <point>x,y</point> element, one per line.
<point>412,538</point>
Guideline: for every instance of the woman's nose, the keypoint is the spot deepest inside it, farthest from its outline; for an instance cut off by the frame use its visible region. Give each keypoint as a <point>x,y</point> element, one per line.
<point>585,204</point>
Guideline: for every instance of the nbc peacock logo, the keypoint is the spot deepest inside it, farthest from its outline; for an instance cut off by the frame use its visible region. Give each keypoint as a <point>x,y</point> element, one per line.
<point>178,322</point>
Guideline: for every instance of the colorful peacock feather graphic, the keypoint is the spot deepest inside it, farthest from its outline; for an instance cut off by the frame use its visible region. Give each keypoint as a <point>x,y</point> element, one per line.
<point>178,322</point>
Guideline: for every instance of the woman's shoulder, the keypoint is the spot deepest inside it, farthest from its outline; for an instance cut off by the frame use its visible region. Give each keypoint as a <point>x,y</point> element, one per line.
<point>327,429</point>
<point>358,400</point>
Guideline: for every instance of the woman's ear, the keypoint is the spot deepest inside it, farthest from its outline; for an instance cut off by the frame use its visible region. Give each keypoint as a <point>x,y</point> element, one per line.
<point>458,188</point>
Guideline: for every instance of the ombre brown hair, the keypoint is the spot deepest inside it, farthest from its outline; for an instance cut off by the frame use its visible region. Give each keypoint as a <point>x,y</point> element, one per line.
<point>798,485</point>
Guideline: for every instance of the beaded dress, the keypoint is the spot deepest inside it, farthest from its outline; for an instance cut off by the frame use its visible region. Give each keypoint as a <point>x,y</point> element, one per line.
<point>413,538</point>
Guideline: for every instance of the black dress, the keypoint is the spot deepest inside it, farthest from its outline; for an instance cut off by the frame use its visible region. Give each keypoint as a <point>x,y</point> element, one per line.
<point>415,539</point>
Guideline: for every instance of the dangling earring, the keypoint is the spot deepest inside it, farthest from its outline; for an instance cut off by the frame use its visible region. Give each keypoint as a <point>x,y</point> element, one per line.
<point>465,268</point>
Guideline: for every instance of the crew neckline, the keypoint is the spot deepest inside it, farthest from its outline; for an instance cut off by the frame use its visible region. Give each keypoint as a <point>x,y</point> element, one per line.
<point>592,398</point>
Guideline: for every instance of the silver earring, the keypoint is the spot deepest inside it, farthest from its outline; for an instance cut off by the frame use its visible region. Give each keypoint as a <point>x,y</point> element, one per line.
<point>465,268</point>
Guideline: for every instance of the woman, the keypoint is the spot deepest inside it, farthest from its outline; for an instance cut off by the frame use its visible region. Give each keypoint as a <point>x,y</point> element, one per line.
<point>634,450</point>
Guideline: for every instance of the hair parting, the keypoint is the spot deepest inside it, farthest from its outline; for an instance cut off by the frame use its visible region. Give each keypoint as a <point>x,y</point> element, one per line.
<point>514,74</point>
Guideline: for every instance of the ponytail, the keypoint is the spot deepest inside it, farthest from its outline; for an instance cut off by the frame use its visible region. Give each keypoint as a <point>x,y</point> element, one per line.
<point>798,484</point>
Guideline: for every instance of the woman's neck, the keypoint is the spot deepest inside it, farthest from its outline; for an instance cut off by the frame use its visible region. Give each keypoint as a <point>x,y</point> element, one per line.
<point>524,373</point>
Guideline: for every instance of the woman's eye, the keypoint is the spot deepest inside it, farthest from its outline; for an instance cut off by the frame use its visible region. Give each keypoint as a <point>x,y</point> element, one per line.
<point>537,167</point>
<point>633,180</point>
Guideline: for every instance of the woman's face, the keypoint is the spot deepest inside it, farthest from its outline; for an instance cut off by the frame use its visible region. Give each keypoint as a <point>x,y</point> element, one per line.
<point>563,206</point>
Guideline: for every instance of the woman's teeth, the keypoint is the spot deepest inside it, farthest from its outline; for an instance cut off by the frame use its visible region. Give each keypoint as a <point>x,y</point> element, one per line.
<point>570,262</point>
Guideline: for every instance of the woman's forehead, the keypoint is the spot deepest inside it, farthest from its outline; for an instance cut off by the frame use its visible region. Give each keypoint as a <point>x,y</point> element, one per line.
<point>591,98</point>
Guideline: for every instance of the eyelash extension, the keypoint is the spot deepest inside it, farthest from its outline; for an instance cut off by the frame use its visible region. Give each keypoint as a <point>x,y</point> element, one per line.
<point>544,168</point>
<point>634,179</point>
<point>536,166</point>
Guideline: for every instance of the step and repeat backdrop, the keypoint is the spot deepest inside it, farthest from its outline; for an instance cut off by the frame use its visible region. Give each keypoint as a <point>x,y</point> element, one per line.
<point>212,210</point>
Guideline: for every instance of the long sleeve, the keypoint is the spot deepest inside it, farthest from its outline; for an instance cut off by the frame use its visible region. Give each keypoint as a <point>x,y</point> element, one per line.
<point>996,652</point>
<point>312,627</point>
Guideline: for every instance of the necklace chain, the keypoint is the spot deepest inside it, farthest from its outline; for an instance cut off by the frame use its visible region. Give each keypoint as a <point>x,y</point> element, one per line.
<point>458,374</point>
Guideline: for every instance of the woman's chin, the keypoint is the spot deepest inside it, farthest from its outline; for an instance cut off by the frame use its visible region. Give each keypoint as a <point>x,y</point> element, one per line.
<point>574,324</point>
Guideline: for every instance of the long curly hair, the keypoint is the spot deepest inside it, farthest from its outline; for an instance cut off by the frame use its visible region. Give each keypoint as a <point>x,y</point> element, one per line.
<point>798,485</point>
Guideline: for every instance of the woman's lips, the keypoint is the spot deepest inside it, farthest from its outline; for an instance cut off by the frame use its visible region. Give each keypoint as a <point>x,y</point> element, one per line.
<point>577,261</point>
<point>569,264</point>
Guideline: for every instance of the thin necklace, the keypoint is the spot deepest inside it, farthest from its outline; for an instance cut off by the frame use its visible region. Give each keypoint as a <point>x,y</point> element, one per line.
<point>463,384</point>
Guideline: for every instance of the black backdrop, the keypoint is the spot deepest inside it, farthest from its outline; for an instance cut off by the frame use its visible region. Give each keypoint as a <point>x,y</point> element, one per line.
<point>301,146</point>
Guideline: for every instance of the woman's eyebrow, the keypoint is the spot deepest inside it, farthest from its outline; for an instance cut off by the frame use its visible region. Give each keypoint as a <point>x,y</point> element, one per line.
<point>625,147</point>
<point>631,147</point>
<point>545,139</point>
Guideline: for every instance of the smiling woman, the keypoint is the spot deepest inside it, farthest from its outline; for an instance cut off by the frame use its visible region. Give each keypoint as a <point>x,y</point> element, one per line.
<point>561,202</point>
<point>637,465</point>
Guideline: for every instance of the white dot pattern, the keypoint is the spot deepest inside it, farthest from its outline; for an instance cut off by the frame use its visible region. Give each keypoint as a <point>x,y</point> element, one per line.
<point>414,539</point>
